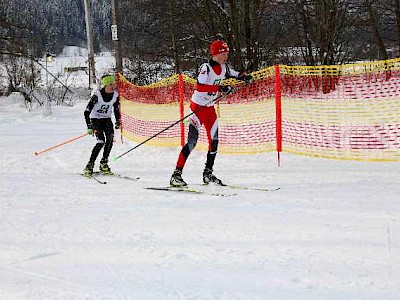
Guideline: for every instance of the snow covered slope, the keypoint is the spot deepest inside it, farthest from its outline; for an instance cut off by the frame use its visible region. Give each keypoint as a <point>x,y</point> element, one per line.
<point>331,232</point>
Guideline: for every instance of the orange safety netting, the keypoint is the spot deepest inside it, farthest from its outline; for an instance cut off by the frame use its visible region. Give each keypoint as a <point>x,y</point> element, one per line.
<point>341,112</point>
<point>246,119</point>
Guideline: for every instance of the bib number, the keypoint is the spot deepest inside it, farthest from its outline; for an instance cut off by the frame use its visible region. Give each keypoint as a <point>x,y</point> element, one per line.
<point>103,109</point>
<point>216,81</point>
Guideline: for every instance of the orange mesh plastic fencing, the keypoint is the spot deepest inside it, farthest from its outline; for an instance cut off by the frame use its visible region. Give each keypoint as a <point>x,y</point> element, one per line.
<point>342,112</point>
<point>246,119</point>
<point>146,110</point>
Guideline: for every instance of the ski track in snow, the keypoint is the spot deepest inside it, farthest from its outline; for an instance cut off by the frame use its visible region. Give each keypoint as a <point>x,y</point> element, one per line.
<point>331,232</point>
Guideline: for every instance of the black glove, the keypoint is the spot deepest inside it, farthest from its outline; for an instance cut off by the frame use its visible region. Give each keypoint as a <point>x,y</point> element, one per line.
<point>245,77</point>
<point>117,125</point>
<point>226,89</point>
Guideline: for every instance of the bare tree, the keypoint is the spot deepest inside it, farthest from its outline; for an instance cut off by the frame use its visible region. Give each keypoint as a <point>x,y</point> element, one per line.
<point>373,23</point>
<point>384,23</point>
<point>324,28</point>
<point>22,76</point>
<point>158,34</point>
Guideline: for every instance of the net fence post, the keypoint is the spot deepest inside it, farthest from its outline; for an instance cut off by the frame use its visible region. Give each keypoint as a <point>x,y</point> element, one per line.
<point>278,112</point>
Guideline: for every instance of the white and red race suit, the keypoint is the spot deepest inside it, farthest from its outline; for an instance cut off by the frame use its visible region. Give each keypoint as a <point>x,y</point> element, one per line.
<point>209,79</point>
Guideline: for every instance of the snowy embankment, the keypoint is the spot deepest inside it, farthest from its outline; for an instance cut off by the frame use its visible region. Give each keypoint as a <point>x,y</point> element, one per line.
<point>331,232</point>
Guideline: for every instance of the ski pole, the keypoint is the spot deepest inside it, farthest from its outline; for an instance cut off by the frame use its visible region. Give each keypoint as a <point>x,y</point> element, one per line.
<point>170,126</point>
<point>59,145</point>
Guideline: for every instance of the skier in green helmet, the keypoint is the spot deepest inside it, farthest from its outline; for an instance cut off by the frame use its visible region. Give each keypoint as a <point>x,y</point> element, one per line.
<point>98,120</point>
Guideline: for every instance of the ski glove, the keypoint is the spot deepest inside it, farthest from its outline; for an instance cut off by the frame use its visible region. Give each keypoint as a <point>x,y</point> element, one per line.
<point>226,89</point>
<point>246,77</point>
<point>117,125</point>
<point>90,130</point>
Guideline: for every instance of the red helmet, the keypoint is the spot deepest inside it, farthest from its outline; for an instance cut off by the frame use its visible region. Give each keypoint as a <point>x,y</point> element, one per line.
<point>217,47</point>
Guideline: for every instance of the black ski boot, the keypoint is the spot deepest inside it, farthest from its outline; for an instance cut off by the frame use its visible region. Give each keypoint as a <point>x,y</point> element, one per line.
<point>208,177</point>
<point>176,179</point>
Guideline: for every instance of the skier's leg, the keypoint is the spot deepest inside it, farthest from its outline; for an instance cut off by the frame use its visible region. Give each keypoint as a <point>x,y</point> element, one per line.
<point>100,139</point>
<point>211,125</point>
<point>193,135</point>
<point>109,139</point>
<point>95,151</point>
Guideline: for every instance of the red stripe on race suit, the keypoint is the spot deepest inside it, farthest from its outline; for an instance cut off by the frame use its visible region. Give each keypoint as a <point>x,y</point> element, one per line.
<point>209,88</point>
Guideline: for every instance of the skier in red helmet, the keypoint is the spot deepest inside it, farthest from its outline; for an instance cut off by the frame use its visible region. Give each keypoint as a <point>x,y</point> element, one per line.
<point>208,85</point>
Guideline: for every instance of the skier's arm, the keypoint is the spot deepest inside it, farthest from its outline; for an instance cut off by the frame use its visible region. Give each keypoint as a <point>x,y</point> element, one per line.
<point>93,100</point>
<point>202,79</point>
<point>231,73</point>
<point>117,113</point>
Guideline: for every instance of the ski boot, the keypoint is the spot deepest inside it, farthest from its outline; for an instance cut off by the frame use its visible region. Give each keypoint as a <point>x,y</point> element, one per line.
<point>88,171</point>
<point>104,168</point>
<point>208,177</point>
<point>176,179</point>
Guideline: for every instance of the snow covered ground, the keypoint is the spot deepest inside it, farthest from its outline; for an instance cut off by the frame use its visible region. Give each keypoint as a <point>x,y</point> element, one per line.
<point>331,232</point>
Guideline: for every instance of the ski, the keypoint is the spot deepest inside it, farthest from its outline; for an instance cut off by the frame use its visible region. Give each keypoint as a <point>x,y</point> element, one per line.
<point>118,176</point>
<point>175,189</point>
<point>240,187</point>
<point>187,189</point>
<point>94,178</point>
